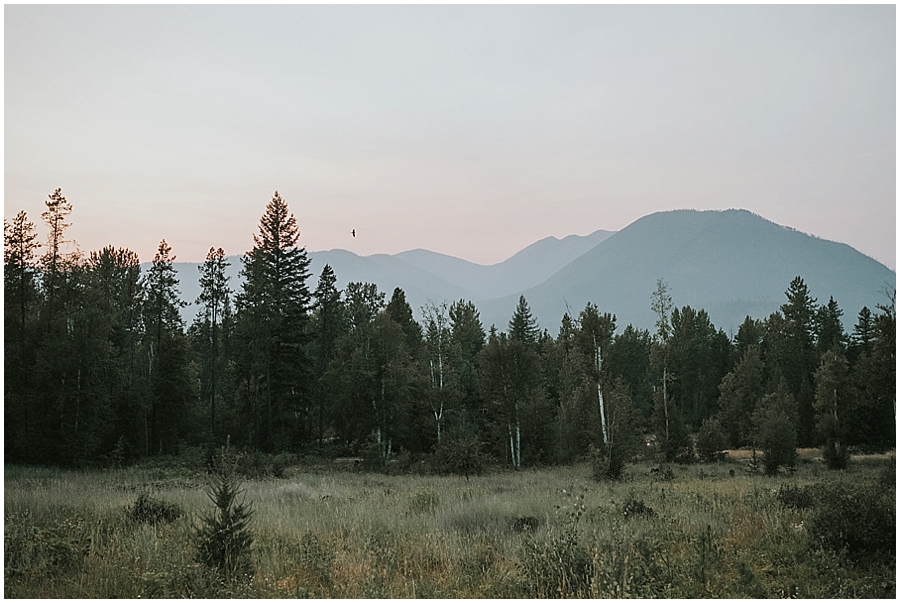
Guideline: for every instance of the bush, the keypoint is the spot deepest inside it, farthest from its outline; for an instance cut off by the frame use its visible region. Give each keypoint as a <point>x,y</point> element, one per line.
<point>459,456</point>
<point>152,510</point>
<point>224,538</point>
<point>796,497</point>
<point>858,520</point>
<point>835,454</point>
<point>775,432</point>
<point>711,441</point>
<point>635,507</point>
<point>609,465</point>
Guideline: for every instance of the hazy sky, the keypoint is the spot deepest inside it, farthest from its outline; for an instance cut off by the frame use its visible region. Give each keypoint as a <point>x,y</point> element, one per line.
<point>467,130</point>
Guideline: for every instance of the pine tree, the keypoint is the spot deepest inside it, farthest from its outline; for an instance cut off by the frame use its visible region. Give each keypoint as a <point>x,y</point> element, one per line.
<point>58,209</point>
<point>523,326</point>
<point>214,297</point>
<point>163,323</point>
<point>829,328</point>
<point>797,359</point>
<point>835,401</point>
<point>741,390</point>
<point>274,311</point>
<point>19,246</point>
<point>329,324</point>
<point>467,337</point>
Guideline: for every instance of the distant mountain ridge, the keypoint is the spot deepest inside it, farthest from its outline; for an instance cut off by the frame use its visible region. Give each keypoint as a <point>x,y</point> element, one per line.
<point>732,263</point>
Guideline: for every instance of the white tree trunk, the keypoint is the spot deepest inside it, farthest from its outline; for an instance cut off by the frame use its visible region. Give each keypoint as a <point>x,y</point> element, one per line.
<point>603,427</point>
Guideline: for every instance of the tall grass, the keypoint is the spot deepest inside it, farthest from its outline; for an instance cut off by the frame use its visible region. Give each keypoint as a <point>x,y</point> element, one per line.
<point>535,533</point>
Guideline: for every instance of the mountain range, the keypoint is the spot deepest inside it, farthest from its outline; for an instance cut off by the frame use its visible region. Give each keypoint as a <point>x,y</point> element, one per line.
<point>732,263</point>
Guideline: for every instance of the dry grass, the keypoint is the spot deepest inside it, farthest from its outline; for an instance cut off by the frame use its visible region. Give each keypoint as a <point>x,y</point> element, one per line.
<point>703,533</point>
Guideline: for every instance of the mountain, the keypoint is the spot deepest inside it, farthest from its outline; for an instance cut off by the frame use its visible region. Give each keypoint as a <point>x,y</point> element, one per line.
<point>527,268</point>
<point>731,263</point>
<point>423,275</point>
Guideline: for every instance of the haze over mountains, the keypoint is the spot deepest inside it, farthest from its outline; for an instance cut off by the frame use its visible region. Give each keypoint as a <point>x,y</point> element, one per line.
<point>731,263</point>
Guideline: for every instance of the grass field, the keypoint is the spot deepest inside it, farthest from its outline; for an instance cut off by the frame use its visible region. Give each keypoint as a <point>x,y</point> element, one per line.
<point>685,531</point>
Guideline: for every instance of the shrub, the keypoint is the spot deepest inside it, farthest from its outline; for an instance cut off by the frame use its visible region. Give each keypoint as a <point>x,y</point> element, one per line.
<point>607,464</point>
<point>858,520</point>
<point>525,523</point>
<point>459,456</point>
<point>224,538</point>
<point>775,432</point>
<point>835,454</point>
<point>711,441</point>
<point>796,497</point>
<point>152,510</point>
<point>635,507</point>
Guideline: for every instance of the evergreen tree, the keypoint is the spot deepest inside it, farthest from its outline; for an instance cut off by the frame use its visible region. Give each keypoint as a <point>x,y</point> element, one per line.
<point>523,326</point>
<point>327,326</point>
<point>741,390</point>
<point>163,326</point>
<point>774,430</point>
<point>273,311</point>
<point>19,286</point>
<point>467,338</point>
<point>374,379</point>
<point>829,328</point>
<point>58,209</point>
<point>401,313</point>
<point>20,295</point>
<point>835,401</point>
<point>873,424</point>
<point>796,356</point>
<point>362,302</point>
<point>698,357</point>
<point>114,291</point>
<point>751,332</point>
<point>862,336</point>
<point>213,299</point>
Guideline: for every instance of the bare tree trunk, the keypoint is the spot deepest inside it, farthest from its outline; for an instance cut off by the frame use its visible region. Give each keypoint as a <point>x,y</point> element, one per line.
<point>597,362</point>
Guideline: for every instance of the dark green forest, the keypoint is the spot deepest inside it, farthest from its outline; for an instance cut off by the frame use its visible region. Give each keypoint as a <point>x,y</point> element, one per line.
<point>100,369</point>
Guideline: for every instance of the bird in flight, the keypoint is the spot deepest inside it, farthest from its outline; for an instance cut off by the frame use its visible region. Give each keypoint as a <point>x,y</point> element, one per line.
<point>353,232</point>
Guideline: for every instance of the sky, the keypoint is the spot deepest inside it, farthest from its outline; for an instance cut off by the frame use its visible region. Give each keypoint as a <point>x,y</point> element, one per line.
<point>466,130</point>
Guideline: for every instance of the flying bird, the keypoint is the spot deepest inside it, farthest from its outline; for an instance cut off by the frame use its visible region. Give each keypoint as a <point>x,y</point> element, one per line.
<point>353,232</point>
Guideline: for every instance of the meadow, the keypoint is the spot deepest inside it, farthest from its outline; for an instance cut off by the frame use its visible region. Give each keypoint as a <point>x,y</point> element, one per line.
<point>328,530</point>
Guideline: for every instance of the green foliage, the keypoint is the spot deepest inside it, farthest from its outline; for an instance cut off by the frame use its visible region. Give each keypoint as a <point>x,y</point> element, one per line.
<point>633,507</point>
<point>797,497</point>
<point>775,433</point>
<point>858,520</point>
<point>459,455</point>
<point>711,441</point>
<point>147,509</point>
<point>224,538</point>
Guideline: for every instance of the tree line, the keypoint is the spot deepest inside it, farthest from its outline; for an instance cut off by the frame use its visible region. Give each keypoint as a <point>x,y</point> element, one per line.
<point>100,368</point>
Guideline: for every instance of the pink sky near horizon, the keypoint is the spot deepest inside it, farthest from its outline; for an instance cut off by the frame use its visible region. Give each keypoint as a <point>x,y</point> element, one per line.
<point>472,131</point>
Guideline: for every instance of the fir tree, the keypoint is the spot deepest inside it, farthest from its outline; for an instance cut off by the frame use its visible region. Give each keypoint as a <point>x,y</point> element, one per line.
<point>274,310</point>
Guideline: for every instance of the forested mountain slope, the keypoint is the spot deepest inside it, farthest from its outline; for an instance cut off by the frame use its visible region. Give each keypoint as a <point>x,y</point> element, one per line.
<point>732,263</point>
